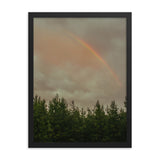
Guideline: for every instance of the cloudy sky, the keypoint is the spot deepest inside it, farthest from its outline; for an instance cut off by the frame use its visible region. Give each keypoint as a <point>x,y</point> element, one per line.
<point>81,59</point>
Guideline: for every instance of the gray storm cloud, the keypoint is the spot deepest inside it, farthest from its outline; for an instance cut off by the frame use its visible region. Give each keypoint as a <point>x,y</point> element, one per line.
<point>64,66</point>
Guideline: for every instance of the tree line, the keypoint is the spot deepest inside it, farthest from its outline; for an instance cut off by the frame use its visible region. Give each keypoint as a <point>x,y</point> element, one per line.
<point>59,122</point>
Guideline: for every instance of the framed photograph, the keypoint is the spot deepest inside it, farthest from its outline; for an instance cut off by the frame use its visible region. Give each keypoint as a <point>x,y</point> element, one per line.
<point>79,80</point>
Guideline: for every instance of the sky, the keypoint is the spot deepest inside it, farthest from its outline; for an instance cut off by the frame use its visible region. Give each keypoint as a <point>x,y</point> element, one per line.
<point>80,59</point>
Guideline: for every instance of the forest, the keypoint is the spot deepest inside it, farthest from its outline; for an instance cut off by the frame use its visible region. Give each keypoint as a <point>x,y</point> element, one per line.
<point>59,122</point>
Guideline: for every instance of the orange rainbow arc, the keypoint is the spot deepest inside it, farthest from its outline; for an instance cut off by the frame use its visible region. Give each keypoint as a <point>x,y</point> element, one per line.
<point>83,43</point>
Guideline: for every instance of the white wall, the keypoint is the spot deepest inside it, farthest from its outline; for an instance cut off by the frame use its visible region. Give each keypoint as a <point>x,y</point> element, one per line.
<point>13,79</point>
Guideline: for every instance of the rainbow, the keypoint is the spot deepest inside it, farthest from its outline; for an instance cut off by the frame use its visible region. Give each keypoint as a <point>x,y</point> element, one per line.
<point>87,46</point>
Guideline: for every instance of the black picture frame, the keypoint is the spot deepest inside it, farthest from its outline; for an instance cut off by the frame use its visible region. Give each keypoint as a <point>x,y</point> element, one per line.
<point>31,16</point>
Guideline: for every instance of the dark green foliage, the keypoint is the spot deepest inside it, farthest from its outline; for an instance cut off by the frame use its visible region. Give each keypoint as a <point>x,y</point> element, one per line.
<point>41,121</point>
<point>59,123</point>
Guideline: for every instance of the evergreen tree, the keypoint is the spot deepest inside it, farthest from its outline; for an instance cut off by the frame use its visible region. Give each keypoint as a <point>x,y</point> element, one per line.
<point>59,123</point>
<point>40,120</point>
